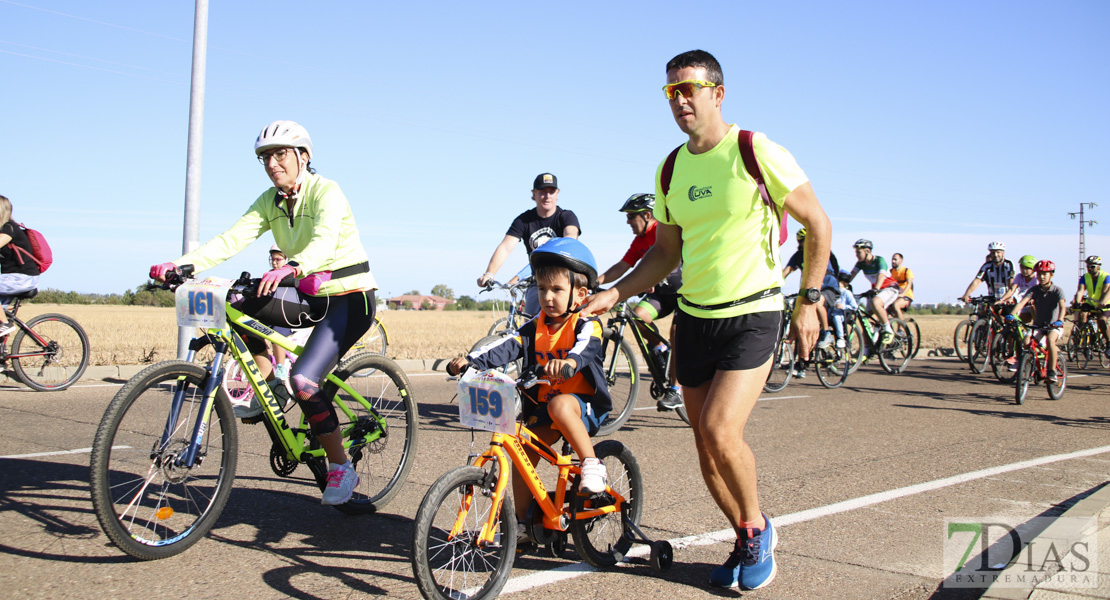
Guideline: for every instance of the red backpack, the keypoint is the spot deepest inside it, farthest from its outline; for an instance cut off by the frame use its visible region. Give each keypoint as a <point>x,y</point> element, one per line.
<point>747,152</point>
<point>40,250</point>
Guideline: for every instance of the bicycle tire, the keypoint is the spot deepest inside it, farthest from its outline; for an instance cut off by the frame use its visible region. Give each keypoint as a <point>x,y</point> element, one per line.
<point>60,362</point>
<point>1024,377</point>
<point>147,506</point>
<point>1082,356</point>
<point>855,342</point>
<point>961,337</point>
<point>782,364</point>
<point>1057,391</point>
<point>897,354</point>
<point>1007,344</point>
<point>916,331</point>
<point>623,379</point>
<point>978,350</point>
<point>374,341</point>
<point>383,464</point>
<point>604,540</point>
<point>512,369</point>
<point>832,366</point>
<point>501,326</point>
<point>447,567</point>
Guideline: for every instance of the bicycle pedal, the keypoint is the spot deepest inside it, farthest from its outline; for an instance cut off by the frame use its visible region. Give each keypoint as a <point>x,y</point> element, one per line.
<point>251,420</point>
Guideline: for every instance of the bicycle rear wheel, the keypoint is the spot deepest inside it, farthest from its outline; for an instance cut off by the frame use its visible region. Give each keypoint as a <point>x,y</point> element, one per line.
<point>374,341</point>
<point>602,541</point>
<point>448,561</point>
<point>384,463</point>
<point>961,337</point>
<point>148,504</point>
<point>622,374</point>
<point>55,353</point>
<point>1056,390</point>
<point>832,366</point>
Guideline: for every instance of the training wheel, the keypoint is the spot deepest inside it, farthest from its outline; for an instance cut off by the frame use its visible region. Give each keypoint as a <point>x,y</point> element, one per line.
<point>557,548</point>
<point>662,555</point>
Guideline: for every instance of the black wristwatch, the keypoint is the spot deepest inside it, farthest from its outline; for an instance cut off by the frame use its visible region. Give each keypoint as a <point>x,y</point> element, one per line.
<point>813,295</point>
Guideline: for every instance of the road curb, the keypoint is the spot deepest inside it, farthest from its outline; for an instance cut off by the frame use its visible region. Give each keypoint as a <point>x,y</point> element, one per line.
<point>1064,533</point>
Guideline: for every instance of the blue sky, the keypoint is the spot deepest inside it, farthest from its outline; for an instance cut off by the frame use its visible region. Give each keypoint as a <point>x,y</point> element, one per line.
<point>930,128</point>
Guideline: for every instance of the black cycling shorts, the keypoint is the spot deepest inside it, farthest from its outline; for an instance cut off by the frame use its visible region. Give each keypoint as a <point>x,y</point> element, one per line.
<point>704,346</point>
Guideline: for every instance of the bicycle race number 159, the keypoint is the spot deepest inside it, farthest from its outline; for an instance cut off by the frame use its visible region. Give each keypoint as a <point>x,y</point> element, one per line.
<point>201,304</point>
<point>487,401</point>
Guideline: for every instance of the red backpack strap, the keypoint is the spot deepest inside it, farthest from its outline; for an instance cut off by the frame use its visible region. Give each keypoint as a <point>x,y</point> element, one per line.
<point>665,178</point>
<point>751,165</point>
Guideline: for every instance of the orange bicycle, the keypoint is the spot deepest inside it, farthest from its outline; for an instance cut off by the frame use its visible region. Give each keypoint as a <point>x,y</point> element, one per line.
<point>465,535</point>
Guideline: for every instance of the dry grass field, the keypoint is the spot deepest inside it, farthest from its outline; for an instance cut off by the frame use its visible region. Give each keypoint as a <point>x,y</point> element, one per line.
<point>138,334</point>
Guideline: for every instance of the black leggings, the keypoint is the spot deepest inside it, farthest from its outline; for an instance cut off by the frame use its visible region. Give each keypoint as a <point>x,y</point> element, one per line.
<point>339,322</point>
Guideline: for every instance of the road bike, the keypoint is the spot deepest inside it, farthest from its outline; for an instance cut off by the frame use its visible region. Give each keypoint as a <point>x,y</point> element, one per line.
<point>164,456</point>
<point>864,339</point>
<point>622,368</point>
<point>516,317</point>
<point>49,352</point>
<point>465,533</point>
<point>1033,369</point>
<point>1086,341</point>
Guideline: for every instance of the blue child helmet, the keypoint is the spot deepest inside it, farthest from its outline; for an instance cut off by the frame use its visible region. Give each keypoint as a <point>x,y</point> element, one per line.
<point>568,253</point>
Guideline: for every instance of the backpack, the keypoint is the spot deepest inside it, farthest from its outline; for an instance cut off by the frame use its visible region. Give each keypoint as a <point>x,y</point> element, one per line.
<point>751,164</point>
<point>40,250</point>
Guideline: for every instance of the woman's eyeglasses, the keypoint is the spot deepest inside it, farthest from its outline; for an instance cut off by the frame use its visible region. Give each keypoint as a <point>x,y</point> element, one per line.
<point>279,154</point>
<point>687,88</point>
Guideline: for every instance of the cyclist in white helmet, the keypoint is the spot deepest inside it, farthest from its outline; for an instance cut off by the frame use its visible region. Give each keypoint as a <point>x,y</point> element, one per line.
<point>998,272</point>
<point>312,224</point>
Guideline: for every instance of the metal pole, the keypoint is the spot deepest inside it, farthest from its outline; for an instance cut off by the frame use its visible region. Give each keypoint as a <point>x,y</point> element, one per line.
<point>191,232</point>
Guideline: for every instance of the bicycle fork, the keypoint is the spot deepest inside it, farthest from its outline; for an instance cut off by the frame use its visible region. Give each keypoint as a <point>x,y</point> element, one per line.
<point>189,457</point>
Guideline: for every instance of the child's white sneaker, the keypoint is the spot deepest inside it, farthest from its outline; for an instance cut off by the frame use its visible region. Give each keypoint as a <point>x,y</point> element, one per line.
<point>593,476</point>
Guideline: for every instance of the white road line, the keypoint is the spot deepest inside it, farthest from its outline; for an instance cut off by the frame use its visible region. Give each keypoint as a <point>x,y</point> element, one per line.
<point>526,582</point>
<point>77,451</point>
<point>760,400</point>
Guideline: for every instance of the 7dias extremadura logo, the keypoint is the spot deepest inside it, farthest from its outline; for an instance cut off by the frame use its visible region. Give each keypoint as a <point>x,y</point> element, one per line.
<point>1007,552</point>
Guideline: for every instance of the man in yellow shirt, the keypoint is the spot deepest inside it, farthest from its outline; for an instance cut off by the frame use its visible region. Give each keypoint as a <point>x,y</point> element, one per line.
<point>904,277</point>
<point>713,219</point>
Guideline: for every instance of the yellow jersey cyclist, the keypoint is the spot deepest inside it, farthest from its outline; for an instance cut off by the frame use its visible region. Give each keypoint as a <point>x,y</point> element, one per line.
<point>313,226</point>
<point>660,300</point>
<point>1025,280</point>
<point>904,276</point>
<point>997,272</point>
<point>884,288</point>
<point>1094,291</point>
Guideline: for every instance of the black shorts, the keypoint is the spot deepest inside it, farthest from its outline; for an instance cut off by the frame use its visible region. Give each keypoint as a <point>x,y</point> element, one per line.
<point>662,303</point>
<point>704,346</point>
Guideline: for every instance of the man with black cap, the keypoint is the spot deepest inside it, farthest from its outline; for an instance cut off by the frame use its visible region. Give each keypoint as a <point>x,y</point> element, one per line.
<point>535,226</point>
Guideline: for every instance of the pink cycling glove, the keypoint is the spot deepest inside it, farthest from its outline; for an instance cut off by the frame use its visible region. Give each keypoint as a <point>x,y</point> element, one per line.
<point>158,272</point>
<point>271,279</point>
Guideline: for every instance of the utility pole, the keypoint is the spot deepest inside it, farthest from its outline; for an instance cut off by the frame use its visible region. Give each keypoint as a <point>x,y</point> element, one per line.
<point>191,234</point>
<point>1083,222</point>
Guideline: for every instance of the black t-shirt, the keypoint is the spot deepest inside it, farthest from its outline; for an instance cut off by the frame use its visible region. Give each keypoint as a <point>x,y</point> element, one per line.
<point>534,230</point>
<point>832,269</point>
<point>1046,304</point>
<point>9,262</point>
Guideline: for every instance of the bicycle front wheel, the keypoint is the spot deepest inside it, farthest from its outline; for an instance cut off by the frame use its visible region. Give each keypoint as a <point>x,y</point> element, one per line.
<point>622,374</point>
<point>381,457</point>
<point>897,354</point>
<point>979,346</point>
<point>1056,390</point>
<point>1024,377</point>
<point>832,366</point>
<point>51,354</point>
<point>602,541</point>
<point>782,366</point>
<point>961,337</point>
<point>1004,355</point>
<point>149,504</point>
<point>512,369</point>
<point>448,559</point>
<point>915,329</point>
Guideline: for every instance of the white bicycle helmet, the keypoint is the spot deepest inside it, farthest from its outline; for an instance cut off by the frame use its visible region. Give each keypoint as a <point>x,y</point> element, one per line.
<point>996,246</point>
<point>283,134</point>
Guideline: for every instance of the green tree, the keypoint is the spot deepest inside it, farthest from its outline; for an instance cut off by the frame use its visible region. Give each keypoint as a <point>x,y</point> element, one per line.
<point>414,293</point>
<point>428,305</point>
<point>443,291</point>
<point>466,303</point>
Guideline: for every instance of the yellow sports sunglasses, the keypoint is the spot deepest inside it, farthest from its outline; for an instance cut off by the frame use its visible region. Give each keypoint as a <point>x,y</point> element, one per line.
<point>687,88</point>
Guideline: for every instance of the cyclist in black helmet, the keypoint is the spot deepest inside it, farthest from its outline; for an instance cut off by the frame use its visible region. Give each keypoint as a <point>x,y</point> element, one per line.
<point>660,300</point>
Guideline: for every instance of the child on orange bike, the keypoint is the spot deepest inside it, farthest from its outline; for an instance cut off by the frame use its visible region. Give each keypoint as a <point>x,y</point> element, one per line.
<point>1049,305</point>
<point>573,408</point>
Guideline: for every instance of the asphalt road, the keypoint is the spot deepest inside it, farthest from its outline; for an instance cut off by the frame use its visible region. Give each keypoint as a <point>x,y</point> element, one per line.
<point>859,479</point>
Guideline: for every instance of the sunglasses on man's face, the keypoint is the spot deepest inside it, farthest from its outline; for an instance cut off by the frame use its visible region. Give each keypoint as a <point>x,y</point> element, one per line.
<point>687,88</point>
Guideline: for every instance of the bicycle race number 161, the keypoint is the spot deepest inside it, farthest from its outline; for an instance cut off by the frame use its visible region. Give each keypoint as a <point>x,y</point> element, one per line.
<point>201,304</point>
<point>487,401</point>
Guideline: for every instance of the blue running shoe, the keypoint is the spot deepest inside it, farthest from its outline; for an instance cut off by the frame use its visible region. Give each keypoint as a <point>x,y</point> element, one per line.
<point>751,564</point>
